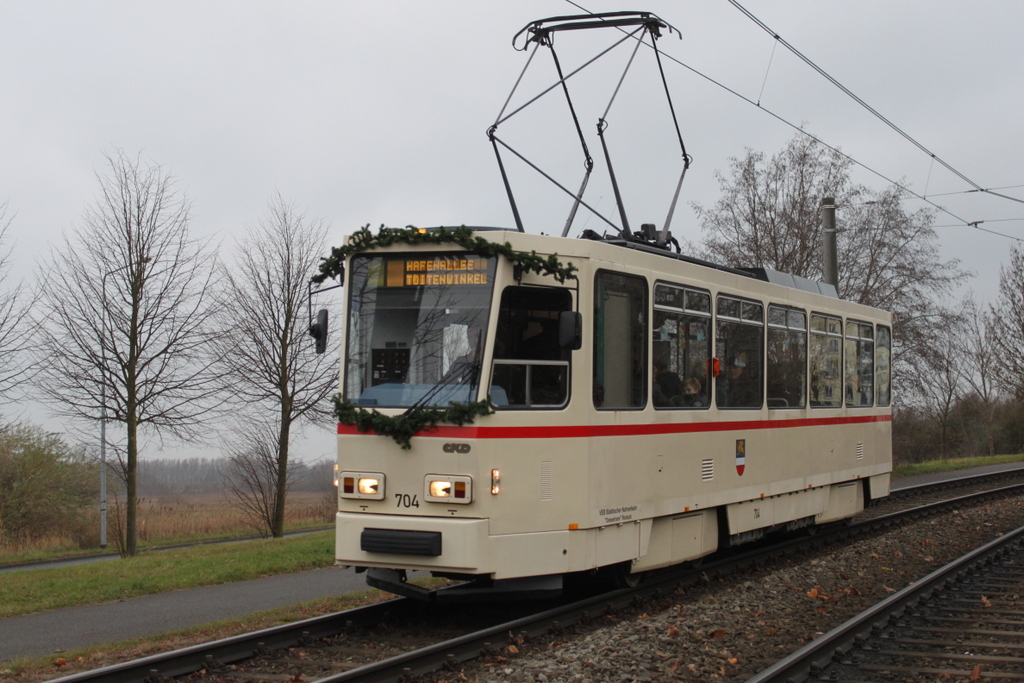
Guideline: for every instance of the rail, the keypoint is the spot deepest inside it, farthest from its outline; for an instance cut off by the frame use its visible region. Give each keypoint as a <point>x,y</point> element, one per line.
<point>816,659</point>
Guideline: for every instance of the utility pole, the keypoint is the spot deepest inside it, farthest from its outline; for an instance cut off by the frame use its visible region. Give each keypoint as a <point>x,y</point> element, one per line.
<point>830,257</point>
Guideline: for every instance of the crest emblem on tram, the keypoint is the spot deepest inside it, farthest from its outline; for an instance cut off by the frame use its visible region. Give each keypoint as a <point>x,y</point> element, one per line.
<point>741,456</point>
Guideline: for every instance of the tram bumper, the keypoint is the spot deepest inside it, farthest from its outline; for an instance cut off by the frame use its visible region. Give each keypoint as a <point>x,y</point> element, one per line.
<point>439,544</point>
<point>430,543</point>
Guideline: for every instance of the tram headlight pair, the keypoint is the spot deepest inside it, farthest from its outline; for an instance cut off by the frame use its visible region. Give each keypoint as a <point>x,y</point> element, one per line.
<point>361,485</point>
<point>446,488</point>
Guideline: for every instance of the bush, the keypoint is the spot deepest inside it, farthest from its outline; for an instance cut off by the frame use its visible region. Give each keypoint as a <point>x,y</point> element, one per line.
<point>918,437</point>
<point>44,484</point>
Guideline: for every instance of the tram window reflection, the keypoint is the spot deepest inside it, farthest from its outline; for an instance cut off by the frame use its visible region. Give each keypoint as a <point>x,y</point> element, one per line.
<point>883,370</point>
<point>787,357</point>
<point>860,364</point>
<point>740,343</point>
<point>681,347</point>
<point>826,361</point>
<point>530,370</point>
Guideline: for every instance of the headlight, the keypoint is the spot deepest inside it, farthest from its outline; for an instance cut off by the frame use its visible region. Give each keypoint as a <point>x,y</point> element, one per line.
<point>445,488</point>
<point>362,485</point>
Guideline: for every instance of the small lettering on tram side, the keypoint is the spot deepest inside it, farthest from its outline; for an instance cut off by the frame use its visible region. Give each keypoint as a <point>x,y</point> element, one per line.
<point>622,514</point>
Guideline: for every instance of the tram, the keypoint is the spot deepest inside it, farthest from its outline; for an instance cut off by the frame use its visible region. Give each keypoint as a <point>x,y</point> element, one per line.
<point>646,411</point>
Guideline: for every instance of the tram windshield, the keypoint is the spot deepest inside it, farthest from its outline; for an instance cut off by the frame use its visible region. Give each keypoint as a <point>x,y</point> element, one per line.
<point>416,326</point>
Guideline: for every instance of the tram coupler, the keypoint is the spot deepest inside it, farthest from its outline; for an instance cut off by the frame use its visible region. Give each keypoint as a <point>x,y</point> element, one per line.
<point>483,590</point>
<point>395,581</point>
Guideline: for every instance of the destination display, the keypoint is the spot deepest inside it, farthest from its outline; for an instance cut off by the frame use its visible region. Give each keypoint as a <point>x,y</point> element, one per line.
<point>413,272</point>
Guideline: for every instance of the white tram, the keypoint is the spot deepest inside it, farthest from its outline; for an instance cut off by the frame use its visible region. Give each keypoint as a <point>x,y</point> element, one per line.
<point>649,413</point>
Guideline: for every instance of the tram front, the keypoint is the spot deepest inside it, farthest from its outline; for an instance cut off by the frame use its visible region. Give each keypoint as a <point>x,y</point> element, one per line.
<point>436,340</point>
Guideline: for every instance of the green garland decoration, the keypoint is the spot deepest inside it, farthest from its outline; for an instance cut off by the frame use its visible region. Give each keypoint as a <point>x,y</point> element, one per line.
<point>364,240</point>
<point>403,427</point>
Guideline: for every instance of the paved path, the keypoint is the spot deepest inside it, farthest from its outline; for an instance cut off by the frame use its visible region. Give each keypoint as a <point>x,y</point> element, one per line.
<point>35,635</point>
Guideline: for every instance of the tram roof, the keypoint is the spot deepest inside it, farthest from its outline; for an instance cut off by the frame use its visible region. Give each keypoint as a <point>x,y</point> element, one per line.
<point>758,273</point>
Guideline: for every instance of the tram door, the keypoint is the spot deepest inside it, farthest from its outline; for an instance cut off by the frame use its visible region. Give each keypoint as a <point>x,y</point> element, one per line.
<point>620,341</point>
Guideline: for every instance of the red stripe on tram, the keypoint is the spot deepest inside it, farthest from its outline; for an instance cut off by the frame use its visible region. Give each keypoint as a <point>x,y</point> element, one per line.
<point>586,431</point>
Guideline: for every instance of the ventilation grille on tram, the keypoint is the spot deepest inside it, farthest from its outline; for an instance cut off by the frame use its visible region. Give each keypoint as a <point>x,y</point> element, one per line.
<point>545,480</point>
<point>707,469</point>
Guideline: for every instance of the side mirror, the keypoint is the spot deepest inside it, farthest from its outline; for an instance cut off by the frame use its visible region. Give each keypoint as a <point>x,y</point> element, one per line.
<point>570,330</point>
<point>318,330</point>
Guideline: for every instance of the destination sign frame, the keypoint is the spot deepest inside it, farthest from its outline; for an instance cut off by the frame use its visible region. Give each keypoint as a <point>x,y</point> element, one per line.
<point>437,270</point>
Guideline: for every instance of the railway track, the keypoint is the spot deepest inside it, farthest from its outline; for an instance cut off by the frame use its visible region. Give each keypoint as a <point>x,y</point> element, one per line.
<point>964,621</point>
<point>385,642</point>
<point>913,496</point>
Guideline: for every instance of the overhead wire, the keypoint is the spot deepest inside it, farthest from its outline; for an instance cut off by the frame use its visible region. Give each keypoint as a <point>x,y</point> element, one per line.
<point>766,72</point>
<point>865,105</point>
<point>964,222</point>
<point>948,194</point>
<point>988,220</point>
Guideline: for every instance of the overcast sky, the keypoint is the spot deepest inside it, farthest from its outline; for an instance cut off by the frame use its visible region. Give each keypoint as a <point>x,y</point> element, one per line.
<point>377,112</point>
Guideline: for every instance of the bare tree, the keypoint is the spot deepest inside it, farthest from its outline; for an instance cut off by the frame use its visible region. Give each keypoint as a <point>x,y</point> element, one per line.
<point>768,213</point>
<point>15,305</point>
<point>267,356</point>
<point>1008,316</point>
<point>251,478</point>
<point>768,216</point>
<point>941,382</point>
<point>977,347</point>
<point>127,310</point>
<point>890,259</point>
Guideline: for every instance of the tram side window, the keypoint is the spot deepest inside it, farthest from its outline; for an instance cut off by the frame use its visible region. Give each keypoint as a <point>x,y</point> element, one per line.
<point>740,339</point>
<point>860,364</point>
<point>530,369</point>
<point>682,347</point>
<point>826,361</point>
<point>883,370</point>
<point>620,341</point>
<point>787,357</point>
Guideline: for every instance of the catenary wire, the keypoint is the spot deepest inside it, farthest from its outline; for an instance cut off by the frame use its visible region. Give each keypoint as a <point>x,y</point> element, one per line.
<point>865,105</point>
<point>779,118</point>
<point>948,194</point>
<point>989,220</point>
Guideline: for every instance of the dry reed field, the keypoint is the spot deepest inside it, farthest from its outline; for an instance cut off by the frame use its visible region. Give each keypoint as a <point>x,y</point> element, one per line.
<point>170,518</point>
<point>173,519</point>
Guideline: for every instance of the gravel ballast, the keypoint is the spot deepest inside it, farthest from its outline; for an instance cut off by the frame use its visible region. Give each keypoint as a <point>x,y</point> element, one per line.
<point>729,629</point>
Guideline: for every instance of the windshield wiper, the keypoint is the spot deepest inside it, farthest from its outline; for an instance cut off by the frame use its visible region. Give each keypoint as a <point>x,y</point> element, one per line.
<point>449,379</point>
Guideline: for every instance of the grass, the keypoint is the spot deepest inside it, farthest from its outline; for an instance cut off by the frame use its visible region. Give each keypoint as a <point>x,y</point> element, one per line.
<point>25,592</point>
<point>933,466</point>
